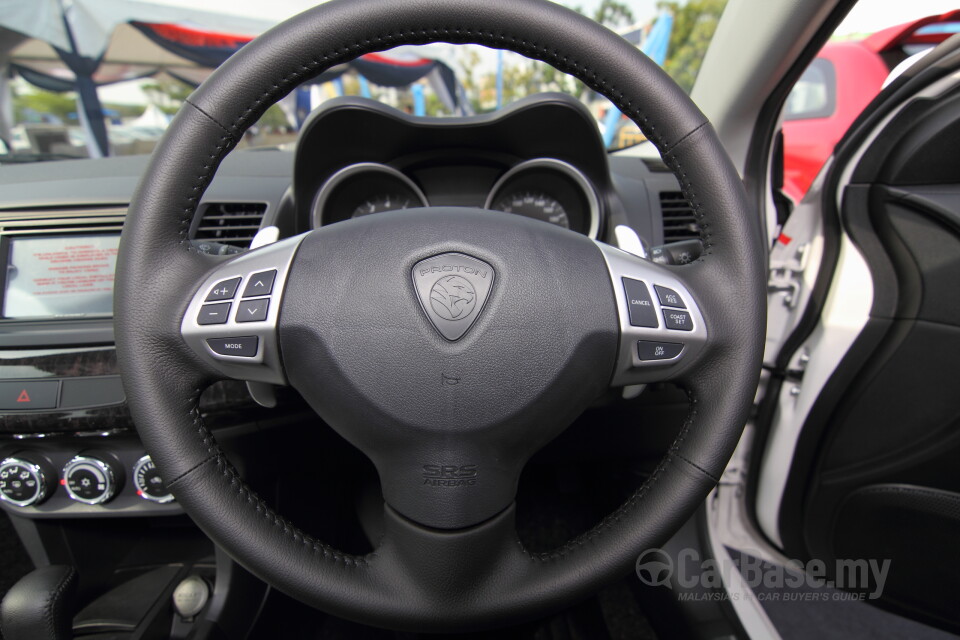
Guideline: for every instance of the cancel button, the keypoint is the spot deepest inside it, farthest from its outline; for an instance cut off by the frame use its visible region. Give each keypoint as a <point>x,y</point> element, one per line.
<point>243,346</point>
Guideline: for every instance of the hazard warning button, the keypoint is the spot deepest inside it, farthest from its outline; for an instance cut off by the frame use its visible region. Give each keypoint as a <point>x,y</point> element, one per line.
<point>28,394</point>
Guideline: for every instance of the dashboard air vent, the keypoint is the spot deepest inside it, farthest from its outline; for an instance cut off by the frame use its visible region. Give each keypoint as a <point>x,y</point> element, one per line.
<point>230,223</point>
<point>679,223</point>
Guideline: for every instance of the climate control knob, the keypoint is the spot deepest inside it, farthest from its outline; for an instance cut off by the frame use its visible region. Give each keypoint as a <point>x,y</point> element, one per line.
<point>22,482</point>
<point>89,480</point>
<point>149,484</point>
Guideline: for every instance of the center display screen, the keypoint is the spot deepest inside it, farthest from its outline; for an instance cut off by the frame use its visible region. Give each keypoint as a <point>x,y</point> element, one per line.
<point>59,276</point>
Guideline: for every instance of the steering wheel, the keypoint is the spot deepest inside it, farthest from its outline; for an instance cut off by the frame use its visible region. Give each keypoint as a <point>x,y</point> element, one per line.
<point>447,344</point>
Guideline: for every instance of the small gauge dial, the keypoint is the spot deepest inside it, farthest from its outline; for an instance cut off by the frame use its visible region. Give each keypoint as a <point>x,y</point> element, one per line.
<point>534,204</point>
<point>149,484</point>
<point>22,483</point>
<point>89,480</point>
<point>387,202</point>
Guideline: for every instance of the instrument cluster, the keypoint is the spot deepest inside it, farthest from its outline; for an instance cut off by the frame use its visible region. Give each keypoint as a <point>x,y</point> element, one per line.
<point>545,189</point>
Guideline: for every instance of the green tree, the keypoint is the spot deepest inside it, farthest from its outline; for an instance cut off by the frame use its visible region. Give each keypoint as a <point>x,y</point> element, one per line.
<point>613,14</point>
<point>167,93</point>
<point>43,102</point>
<point>694,24</point>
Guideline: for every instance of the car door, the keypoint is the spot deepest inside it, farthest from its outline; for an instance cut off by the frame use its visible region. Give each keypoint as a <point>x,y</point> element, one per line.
<point>858,456</point>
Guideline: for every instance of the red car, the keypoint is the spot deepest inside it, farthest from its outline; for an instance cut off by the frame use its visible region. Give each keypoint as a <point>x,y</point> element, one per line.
<point>839,84</point>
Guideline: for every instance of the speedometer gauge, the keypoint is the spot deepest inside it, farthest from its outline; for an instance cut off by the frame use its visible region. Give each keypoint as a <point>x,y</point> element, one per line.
<point>550,190</point>
<point>534,204</point>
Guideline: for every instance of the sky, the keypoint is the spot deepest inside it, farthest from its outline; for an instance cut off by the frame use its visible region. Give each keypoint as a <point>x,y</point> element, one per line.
<point>866,17</point>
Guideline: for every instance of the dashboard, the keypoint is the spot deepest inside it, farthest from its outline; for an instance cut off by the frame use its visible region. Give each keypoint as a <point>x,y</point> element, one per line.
<point>64,423</point>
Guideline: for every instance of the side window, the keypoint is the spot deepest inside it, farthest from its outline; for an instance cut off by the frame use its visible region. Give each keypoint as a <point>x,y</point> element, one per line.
<point>815,94</point>
<point>849,72</point>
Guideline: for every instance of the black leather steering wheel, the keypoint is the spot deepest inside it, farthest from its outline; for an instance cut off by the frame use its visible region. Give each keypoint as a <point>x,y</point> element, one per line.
<point>531,321</point>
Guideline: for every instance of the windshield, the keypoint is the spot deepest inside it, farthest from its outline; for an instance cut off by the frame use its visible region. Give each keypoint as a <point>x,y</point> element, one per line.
<point>58,103</point>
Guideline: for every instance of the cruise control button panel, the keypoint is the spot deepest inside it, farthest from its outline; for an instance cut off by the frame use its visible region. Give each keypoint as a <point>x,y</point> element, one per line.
<point>662,330</point>
<point>232,320</point>
<point>642,313</point>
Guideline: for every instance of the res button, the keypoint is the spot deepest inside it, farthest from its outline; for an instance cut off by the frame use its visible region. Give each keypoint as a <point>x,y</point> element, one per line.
<point>669,297</point>
<point>642,312</point>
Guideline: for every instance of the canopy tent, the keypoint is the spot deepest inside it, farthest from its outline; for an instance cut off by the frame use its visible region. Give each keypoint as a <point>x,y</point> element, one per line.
<point>402,67</point>
<point>78,33</point>
<point>78,45</point>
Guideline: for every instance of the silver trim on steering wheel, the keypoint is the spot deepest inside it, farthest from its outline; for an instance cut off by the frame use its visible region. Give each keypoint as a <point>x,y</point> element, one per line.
<point>264,364</point>
<point>630,369</point>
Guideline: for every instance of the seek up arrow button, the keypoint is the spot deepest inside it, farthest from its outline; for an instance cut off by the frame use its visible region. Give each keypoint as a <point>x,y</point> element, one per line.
<point>260,284</point>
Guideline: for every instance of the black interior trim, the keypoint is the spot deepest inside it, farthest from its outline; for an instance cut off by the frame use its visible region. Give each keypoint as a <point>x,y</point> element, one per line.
<point>935,66</point>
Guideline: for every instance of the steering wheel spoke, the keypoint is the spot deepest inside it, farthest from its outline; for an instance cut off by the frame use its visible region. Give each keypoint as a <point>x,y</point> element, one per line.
<point>231,322</point>
<point>662,328</point>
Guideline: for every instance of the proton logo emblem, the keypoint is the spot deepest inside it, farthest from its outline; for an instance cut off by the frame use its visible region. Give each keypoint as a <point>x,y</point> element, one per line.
<point>453,297</point>
<point>452,288</point>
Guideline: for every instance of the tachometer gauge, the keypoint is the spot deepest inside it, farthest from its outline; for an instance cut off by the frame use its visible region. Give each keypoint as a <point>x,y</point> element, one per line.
<point>534,204</point>
<point>387,202</point>
<point>364,189</point>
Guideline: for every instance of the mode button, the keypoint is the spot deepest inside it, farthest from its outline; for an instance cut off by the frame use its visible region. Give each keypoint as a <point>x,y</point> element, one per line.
<point>243,346</point>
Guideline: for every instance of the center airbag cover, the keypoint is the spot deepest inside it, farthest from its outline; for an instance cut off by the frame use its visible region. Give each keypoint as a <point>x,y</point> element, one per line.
<point>448,392</point>
<point>452,288</point>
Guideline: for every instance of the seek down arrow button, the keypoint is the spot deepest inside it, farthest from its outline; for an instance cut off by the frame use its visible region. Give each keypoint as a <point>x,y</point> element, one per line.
<point>253,310</point>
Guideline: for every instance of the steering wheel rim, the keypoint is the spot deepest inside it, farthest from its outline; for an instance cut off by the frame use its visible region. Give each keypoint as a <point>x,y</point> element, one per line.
<point>410,580</point>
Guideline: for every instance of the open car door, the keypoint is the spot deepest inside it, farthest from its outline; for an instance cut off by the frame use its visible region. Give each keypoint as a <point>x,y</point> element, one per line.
<point>858,455</point>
